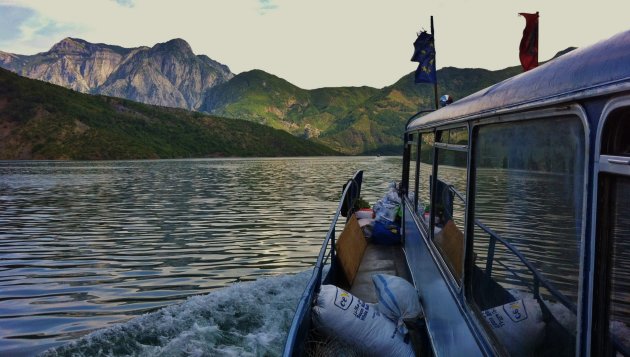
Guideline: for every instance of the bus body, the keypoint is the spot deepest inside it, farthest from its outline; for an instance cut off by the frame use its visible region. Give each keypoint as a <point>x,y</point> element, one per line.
<point>529,205</point>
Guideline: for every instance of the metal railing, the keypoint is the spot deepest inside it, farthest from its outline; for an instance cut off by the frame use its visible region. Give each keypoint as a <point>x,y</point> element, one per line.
<point>299,325</point>
<point>539,279</point>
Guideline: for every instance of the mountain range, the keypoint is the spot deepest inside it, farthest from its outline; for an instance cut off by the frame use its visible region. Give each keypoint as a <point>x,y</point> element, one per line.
<point>167,74</point>
<point>351,120</point>
<point>39,120</point>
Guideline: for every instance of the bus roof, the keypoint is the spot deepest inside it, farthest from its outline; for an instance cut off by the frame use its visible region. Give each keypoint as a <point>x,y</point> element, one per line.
<point>595,70</point>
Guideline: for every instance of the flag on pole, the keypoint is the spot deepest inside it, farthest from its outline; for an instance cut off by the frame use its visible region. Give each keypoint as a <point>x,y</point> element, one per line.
<point>424,54</point>
<point>528,49</point>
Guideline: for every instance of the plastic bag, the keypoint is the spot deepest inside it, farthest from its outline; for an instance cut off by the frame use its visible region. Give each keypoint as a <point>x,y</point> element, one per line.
<point>385,212</point>
<point>385,234</point>
<point>364,213</point>
<point>392,196</point>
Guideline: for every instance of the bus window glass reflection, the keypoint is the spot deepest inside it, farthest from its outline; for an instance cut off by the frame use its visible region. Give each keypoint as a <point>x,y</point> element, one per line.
<point>528,203</point>
<point>619,297</point>
<point>450,202</point>
<point>425,168</point>
<point>614,238</point>
<point>413,166</point>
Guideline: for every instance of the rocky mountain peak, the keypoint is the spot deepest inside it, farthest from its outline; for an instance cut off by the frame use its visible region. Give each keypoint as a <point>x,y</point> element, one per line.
<point>176,44</point>
<point>167,74</point>
<point>69,45</point>
<point>7,57</point>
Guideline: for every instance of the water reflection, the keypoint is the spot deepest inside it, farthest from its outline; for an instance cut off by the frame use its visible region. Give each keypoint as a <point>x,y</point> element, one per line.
<point>536,212</point>
<point>86,244</point>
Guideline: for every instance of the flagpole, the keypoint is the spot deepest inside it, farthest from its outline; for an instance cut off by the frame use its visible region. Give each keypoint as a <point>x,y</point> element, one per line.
<point>435,88</point>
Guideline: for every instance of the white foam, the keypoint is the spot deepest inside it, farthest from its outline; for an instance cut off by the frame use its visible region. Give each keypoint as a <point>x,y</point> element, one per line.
<point>245,319</point>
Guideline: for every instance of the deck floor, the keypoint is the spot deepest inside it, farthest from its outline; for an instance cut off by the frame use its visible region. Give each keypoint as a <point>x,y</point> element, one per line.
<point>378,259</point>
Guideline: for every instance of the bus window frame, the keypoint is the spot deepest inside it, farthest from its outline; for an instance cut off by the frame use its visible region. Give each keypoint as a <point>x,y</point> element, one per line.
<point>416,173</point>
<point>416,187</point>
<point>409,143</point>
<point>598,310</point>
<point>413,138</point>
<point>424,225</point>
<point>455,283</point>
<point>532,114</point>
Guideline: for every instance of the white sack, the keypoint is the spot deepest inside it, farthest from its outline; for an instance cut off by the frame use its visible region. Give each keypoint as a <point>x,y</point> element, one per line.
<point>339,314</point>
<point>519,326</point>
<point>397,299</point>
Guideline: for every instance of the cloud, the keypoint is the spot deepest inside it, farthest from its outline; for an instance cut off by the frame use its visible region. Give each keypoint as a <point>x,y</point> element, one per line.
<point>25,31</point>
<point>266,6</point>
<point>361,43</point>
<point>125,3</point>
<point>13,18</point>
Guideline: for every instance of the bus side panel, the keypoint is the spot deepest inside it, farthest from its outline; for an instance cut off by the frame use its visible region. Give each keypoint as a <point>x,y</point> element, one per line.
<point>448,330</point>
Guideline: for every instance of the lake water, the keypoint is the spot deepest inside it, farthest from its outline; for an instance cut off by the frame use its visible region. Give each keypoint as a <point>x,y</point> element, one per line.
<point>86,245</point>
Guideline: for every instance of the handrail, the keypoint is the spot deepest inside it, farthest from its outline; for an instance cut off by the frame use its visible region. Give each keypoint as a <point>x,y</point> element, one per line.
<point>415,115</point>
<point>353,186</point>
<point>452,189</point>
<point>538,277</point>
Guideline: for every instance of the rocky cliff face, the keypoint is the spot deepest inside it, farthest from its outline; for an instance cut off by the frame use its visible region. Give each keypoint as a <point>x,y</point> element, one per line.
<point>167,74</point>
<point>11,61</point>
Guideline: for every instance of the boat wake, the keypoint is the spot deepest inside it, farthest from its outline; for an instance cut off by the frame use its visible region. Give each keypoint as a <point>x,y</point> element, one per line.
<point>245,319</point>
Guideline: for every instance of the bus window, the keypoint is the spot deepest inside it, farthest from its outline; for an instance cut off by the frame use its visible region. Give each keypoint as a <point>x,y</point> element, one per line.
<point>458,136</point>
<point>612,293</point>
<point>425,168</point>
<point>616,140</point>
<point>450,199</point>
<point>618,206</point>
<point>528,208</point>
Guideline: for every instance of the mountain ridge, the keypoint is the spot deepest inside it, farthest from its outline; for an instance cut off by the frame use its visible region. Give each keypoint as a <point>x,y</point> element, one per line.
<point>167,74</point>
<point>267,99</point>
<point>352,120</point>
<point>40,120</point>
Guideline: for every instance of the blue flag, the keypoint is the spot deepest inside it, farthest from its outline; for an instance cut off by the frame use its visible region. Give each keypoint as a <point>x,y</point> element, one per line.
<point>424,53</point>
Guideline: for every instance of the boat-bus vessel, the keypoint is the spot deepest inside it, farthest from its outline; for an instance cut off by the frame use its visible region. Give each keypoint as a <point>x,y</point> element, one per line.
<point>519,193</point>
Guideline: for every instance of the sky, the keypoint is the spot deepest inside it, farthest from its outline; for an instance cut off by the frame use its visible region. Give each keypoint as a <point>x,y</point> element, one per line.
<point>317,43</point>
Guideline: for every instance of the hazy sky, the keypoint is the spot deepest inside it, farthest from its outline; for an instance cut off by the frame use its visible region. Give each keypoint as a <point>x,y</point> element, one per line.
<point>317,43</point>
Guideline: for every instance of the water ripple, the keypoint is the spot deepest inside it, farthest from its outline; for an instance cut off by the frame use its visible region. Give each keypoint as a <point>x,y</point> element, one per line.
<point>88,244</point>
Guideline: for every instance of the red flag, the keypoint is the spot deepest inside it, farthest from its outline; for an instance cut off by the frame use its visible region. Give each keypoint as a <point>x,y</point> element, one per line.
<point>528,50</point>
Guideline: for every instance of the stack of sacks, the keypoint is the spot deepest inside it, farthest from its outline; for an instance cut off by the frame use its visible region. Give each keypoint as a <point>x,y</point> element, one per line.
<point>343,316</point>
<point>387,215</point>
